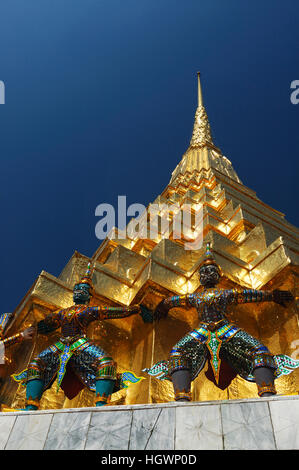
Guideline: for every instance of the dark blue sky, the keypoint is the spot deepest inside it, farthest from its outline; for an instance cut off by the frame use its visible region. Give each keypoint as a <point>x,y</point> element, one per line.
<point>100,101</point>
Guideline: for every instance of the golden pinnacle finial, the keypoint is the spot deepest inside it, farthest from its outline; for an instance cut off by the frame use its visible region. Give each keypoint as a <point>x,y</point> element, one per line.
<point>201,131</point>
<point>199,90</point>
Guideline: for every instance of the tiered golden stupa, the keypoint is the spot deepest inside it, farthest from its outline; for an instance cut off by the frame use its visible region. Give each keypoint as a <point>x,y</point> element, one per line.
<point>253,243</point>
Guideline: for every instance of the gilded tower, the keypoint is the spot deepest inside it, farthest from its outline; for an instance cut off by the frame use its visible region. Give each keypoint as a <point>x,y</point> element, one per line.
<point>253,243</point>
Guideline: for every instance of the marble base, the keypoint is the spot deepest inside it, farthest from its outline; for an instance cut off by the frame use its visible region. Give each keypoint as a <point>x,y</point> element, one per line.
<point>252,424</point>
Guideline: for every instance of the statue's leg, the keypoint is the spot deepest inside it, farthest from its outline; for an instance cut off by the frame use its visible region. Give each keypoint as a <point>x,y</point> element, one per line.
<point>250,358</point>
<point>105,380</point>
<point>35,384</point>
<point>34,391</point>
<point>186,360</point>
<point>263,370</point>
<point>95,368</point>
<point>179,370</point>
<point>39,375</point>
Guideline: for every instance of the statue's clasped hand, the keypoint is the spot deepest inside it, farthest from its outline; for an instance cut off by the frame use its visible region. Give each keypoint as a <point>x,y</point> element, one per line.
<point>29,333</point>
<point>161,311</point>
<point>146,314</point>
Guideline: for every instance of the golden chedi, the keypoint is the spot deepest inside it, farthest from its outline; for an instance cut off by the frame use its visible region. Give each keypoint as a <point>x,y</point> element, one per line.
<point>253,244</point>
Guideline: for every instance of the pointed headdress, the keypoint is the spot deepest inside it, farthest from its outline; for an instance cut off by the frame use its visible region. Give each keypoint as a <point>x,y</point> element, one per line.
<point>209,258</point>
<point>87,278</point>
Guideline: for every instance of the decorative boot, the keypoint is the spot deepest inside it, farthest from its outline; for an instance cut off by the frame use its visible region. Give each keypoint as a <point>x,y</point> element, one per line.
<point>264,378</point>
<point>181,381</point>
<point>104,389</point>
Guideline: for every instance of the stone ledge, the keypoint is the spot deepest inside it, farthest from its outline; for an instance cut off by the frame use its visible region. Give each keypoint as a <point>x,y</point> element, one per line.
<point>251,424</point>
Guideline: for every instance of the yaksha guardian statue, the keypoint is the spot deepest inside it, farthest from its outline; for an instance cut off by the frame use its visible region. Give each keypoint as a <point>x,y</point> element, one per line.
<point>228,349</point>
<point>75,360</point>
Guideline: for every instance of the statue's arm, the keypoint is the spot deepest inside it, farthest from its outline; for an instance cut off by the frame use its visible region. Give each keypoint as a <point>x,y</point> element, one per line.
<point>162,309</point>
<point>49,324</point>
<point>19,337</point>
<point>110,313</point>
<point>253,295</point>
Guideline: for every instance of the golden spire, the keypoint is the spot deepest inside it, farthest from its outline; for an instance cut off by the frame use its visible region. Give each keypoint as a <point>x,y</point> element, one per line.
<point>202,152</point>
<point>201,131</point>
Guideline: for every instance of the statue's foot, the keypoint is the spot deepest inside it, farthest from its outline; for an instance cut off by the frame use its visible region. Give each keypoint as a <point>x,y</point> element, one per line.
<point>267,394</point>
<point>6,409</point>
